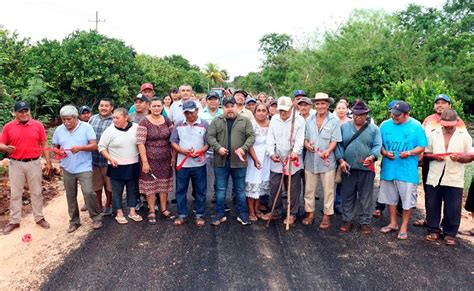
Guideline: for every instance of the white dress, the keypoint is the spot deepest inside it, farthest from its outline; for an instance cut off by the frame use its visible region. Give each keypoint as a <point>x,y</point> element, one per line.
<point>257,181</point>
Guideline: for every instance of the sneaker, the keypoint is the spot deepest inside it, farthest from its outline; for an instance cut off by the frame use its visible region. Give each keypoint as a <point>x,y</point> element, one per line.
<point>219,221</point>
<point>107,211</point>
<point>97,224</point>
<point>243,221</point>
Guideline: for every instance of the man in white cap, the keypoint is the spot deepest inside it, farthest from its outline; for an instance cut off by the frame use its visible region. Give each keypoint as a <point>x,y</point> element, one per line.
<point>279,149</point>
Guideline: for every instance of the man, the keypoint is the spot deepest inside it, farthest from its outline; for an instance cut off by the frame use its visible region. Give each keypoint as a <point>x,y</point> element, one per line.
<point>100,180</point>
<point>141,103</point>
<point>77,139</point>
<point>189,140</point>
<point>148,91</point>
<point>403,140</point>
<point>23,138</point>
<point>356,155</point>
<point>250,104</point>
<point>278,148</point>
<point>322,133</point>
<point>442,102</point>
<point>240,96</point>
<point>305,107</point>
<point>85,113</point>
<point>212,109</point>
<point>230,136</point>
<point>176,110</point>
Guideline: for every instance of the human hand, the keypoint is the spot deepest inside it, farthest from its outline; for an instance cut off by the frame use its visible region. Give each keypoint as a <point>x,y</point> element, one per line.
<point>8,149</point>
<point>113,162</point>
<point>257,164</point>
<point>275,158</point>
<point>75,149</point>
<point>145,167</point>
<point>309,146</point>
<point>324,154</point>
<point>223,152</point>
<point>404,155</point>
<point>390,156</point>
<point>367,161</point>
<point>344,166</point>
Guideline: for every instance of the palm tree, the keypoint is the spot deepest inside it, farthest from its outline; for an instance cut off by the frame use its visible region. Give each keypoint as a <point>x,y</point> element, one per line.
<point>214,74</point>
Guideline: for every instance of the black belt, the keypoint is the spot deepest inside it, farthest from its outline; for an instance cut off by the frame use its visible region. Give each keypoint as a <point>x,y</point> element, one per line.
<point>25,160</point>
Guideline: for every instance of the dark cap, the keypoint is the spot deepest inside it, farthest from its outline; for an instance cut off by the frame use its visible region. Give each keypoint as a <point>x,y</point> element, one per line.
<point>142,97</point>
<point>444,97</point>
<point>392,103</point>
<point>227,100</point>
<point>272,102</point>
<point>306,100</point>
<point>20,105</point>
<point>243,92</point>
<point>84,108</point>
<point>189,106</point>
<point>250,100</point>
<point>400,107</point>
<point>299,93</point>
<point>212,94</point>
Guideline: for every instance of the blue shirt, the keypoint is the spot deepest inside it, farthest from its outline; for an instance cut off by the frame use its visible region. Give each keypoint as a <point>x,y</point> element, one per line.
<point>399,138</point>
<point>190,136</point>
<point>83,133</point>
<point>321,138</point>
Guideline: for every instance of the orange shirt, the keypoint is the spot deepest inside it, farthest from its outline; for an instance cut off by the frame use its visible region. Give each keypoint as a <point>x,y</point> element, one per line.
<point>432,122</point>
<point>25,137</point>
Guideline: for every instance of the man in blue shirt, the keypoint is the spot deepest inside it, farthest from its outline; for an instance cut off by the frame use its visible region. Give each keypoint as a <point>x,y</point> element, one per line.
<point>77,139</point>
<point>403,140</point>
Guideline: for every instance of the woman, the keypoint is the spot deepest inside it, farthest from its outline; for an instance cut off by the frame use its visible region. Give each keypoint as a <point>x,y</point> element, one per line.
<point>258,173</point>
<point>342,109</point>
<point>167,101</point>
<point>156,176</point>
<point>118,144</point>
<point>445,181</point>
<point>262,97</point>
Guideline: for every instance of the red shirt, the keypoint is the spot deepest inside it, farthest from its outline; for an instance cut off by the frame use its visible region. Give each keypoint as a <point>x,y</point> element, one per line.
<point>25,137</point>
<point>432,122</point>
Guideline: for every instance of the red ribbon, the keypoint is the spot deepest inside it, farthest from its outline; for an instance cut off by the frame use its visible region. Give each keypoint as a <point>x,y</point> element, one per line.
<point>326,160</point>
<point>59,154</point>
<point>442,155</point>
<point>26,238</point>
<point>239,155</point>
<point>296,163</point>
<point>188,155</point>
<point>370,166</point>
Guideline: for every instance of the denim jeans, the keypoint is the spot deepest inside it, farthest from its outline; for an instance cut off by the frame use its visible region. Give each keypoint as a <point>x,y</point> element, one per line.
<point>238,189</point>
<point>198,177</point>
<point>117,190</point>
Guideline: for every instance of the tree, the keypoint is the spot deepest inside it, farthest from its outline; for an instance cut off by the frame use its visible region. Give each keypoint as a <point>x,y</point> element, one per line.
<point>273,44</point>
<point>214,75</point>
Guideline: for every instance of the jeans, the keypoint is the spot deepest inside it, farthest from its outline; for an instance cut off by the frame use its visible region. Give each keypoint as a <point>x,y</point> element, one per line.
<point>197,175</point>
<point>238,189</point>
<point>117,190</point>
<point>452,198</point>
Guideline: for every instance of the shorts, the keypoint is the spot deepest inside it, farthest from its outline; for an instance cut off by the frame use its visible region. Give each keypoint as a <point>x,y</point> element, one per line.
<point>392,191</point>
<point>100,179</point>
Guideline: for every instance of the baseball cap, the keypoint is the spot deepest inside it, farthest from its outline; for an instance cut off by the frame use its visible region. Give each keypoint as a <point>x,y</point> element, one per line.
<point>442,96</point>
<point>212,94</point>
<point>84,108</point>
<point>284,103</point>
<point>20,105</point>
<point>227,100</point>
<point>305,100</point>
<point>189,106</point>
<point>142,97</point>
<point>400,107</point>
<point>391,104</point>
<point>299,93</point>
<point>243,92</point>
<point>145,86</point>
<point>449,118</point>
<point>250,100</point>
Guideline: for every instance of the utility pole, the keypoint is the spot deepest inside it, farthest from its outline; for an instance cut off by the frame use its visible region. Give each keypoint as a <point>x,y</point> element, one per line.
<point>97,20</point>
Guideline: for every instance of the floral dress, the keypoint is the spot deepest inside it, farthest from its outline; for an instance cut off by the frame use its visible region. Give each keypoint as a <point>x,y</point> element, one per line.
<point>257,181</point>
<point>158,152</point>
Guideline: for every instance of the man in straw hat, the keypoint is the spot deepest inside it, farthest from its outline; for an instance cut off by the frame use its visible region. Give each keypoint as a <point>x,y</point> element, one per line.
<point>356,154</point>
<point>278,148</point>
<point>322,133</point>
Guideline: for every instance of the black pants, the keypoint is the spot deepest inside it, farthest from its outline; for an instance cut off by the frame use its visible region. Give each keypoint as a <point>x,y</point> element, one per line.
<point>452,198</point>
<point>358,189</point>
<point>295,190</point>
<point>470,198</point>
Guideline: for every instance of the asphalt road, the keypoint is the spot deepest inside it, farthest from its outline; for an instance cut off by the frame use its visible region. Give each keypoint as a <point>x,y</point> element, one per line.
<point>237,257</point>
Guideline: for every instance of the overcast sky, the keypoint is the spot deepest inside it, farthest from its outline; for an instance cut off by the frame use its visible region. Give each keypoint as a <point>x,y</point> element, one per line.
<point>223,32</point>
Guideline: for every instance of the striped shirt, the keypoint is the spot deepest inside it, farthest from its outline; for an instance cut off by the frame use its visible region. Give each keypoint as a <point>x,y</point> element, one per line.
<point>99,125</point>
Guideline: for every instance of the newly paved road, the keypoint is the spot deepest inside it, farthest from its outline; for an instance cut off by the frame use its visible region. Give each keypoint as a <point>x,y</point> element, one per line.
<point>237,257</point>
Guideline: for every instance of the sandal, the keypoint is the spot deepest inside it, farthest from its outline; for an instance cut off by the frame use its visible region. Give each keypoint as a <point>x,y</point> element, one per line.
<point>121,220</point>
<point>450,241</point>
<point>402,235</point>
<point>136,217</point>
<point>179,221</point>
<point>309,219</point>
<point>388,229</point>
<point>325,223</point>
<point>168,214</point>
<point>253,218</point>
<point>151,218</point>
<point>377,213</point>
<point>434,236</point>
<point>199,222</point>
<point>259,214</point>
<point>466,232</point>
<point>419,223</point>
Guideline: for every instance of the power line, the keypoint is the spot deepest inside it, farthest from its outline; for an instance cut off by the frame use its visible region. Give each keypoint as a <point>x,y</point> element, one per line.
<point>97,20</point>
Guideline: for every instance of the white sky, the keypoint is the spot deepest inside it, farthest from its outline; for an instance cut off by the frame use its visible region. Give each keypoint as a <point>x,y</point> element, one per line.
<point>223,32</point>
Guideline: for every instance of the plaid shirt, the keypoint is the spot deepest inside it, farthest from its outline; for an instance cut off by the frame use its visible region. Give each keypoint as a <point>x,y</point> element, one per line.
<point>99,124</point>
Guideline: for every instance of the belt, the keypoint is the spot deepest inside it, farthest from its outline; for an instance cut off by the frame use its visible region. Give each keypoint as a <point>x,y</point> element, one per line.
<point>25,160</point>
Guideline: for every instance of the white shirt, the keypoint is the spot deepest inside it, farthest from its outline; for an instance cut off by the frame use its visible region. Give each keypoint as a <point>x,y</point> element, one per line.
<point>278,141</point>
<point>176,114</point>
<point>121,145</point>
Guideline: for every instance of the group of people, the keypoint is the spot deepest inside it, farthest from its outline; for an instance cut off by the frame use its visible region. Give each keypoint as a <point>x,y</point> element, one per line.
<point>270,148</point>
